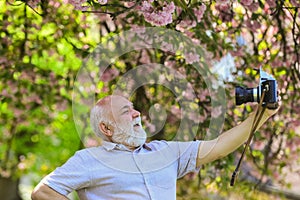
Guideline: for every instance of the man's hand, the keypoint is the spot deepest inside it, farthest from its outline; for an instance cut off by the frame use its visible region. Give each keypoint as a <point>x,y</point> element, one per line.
<point>270,112</point>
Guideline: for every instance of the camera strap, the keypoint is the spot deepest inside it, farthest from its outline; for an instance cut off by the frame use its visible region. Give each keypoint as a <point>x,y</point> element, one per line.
<point>258,115</point>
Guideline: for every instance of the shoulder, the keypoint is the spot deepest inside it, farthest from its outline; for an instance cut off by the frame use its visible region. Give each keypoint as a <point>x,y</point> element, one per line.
<point>86,154</point>
<point>159,144</point>
<point>168,143</point>
<point>84,151</point>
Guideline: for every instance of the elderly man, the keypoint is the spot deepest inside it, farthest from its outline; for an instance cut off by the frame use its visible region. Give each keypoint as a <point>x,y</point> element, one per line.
<point>125,167</point>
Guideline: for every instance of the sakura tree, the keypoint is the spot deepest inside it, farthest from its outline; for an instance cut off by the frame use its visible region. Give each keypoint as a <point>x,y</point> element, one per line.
<point>45,43</point>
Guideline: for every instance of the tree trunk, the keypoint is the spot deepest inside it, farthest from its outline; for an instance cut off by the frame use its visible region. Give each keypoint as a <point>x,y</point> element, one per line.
<point>9,189</point>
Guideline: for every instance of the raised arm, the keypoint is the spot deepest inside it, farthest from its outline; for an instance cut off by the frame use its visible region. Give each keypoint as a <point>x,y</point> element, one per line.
<point>44,192</point>
<point>230,140</point>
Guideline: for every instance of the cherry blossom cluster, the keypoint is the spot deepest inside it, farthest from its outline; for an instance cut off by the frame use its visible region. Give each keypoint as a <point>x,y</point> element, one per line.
<point>199,12</point>
<point>159,15</point>
<point>188,23</point>
<point>191,57</point>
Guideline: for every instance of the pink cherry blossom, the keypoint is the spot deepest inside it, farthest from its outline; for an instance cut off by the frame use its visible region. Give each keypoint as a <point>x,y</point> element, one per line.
<point>175,110</point>
<point>223,1</point>
<point>191,57</point>
<point>102,2</point>
<point>167,46</point>
<point>271,3</point>
<point>223,7</point>
<point>129,4</point>
<point>246,2</point>
<point>33,3</point>
<point>189,94</point>
<point>185,24</point>
<point>295,3</point>
<point>109,74</point>
<point>155,16</point>
<point>151,127</point>
<point>199,12</point>
<point>225,11</point>
<point>18,112</point>
<point>145,58</point>
<point>78,4</point>
<point>237,52</point>
<point>55,4</point>
<point>197,118</point>
<point>146,7</point>
<point>203,94</point>
<point>216,112</point>
<point>253,7</point>
<point>253,25</point>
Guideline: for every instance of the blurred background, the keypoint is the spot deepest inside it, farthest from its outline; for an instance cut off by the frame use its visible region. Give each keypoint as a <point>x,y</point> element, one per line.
<point>44,44</point>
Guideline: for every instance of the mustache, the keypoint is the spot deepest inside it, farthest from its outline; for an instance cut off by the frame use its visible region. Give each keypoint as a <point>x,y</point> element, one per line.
<point>137,121</point>
<point>123,126</point>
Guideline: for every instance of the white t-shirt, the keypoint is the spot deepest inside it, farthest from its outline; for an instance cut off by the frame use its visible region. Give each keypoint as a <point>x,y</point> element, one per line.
<point>111,171</point>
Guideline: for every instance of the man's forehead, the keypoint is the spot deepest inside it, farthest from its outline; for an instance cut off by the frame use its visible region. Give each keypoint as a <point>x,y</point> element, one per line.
<point>118,102</point>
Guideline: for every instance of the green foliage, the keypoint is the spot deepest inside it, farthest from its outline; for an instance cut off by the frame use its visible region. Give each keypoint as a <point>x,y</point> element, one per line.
<point>37,71</point>
<point>43,47</point>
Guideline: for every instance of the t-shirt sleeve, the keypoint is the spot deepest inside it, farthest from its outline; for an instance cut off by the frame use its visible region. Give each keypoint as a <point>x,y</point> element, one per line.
<point>187,157</point>
<point>73,175</point>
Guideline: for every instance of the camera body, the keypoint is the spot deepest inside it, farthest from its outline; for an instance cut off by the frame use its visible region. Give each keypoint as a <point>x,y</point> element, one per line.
<point>267,83</point>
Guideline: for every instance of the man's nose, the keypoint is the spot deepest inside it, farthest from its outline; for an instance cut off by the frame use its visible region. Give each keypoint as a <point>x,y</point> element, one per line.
<point>135,113</point>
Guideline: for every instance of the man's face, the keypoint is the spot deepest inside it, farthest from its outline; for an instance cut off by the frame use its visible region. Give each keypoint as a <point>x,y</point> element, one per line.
<point>128,129</point>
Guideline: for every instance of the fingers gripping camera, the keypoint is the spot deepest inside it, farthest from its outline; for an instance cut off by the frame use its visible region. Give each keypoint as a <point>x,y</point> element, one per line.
<point>267,84</point>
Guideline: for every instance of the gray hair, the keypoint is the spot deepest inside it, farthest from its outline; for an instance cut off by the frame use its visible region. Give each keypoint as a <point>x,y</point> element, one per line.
<point>99,113</point>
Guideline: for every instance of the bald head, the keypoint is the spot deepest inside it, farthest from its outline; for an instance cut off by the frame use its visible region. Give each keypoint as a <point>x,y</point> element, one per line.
<point>104,101</point>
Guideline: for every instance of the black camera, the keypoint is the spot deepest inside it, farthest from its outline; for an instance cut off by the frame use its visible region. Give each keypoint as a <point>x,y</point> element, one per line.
<point>267,83</point>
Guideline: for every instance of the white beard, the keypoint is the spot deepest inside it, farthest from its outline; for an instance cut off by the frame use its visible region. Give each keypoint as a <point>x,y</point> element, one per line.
<point>126,134</point>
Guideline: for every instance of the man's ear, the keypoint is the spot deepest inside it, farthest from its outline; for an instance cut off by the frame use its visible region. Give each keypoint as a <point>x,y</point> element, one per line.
<point>105,129</point>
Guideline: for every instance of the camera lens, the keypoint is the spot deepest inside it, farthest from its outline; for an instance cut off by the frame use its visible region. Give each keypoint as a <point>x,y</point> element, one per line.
<point>244,95</point>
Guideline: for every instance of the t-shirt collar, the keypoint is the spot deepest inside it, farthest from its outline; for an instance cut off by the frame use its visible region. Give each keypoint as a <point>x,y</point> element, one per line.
<point>109,146</point>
